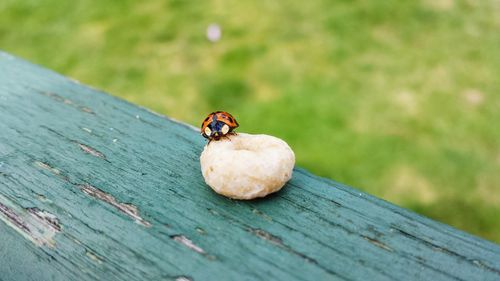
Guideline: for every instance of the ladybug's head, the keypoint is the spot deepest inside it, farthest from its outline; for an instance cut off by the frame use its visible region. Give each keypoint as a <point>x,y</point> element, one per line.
<point>215,130</point>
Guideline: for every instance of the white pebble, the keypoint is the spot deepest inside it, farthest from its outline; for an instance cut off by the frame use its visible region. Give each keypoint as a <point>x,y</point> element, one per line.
<point>245,166</point>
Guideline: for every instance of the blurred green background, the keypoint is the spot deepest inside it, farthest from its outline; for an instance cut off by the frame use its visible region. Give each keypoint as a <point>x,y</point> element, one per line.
<point>398,98</point>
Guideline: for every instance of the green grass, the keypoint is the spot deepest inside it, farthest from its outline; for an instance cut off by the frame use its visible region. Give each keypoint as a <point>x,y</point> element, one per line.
<point>398,98</point>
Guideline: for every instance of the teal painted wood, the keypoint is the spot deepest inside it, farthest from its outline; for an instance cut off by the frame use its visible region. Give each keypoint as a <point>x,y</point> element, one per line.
<point>95,188</point>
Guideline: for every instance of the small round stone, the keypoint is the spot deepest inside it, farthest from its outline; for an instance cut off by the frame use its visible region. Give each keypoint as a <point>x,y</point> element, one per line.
<point>245,166</point>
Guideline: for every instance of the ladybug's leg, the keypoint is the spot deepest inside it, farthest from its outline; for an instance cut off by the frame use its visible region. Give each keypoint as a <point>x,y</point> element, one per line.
<point>226,136</point>
<point>231,134</point>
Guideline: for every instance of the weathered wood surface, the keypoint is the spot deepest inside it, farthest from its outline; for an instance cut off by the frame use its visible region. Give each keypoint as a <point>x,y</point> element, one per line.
<point>92,187</point>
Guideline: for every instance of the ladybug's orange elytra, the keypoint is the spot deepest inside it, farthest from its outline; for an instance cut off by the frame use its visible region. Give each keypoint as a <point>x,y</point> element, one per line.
<point>217,125</point>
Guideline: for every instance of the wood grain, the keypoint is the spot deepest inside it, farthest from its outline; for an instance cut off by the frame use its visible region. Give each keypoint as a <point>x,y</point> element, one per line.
<point>95,188</point>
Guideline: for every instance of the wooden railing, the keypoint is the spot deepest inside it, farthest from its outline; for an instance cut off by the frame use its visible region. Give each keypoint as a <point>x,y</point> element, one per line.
<point>95,188</point>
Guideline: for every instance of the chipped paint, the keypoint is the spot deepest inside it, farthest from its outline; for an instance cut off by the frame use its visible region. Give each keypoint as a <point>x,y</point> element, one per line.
<point>267,236</point>
<point>128,209</point>
<point>49,219</point>
<point>275,240</point>
<point>93,256</point>
<point>188,243</point>
<point>262,214</point>
<point>15,220</point>
<point>87,130</point>
<point>47,167</point>
<point>67,101</point>
<point>378,243</point>
<point>36,225</point>
<point>86,109</point>
<point>57,97</point>
<point>91,151</point>
<point>201,231</point>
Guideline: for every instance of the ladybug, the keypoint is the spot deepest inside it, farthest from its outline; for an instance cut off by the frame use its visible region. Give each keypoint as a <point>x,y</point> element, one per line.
<point>217,125</point>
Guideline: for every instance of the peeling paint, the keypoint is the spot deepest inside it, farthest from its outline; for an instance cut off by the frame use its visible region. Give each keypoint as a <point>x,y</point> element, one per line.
<point>64,100</point>
<point>267,236</point>
<point>378,243</point>
<point>36,225</point>
<point>262,214</point>
<point>188,243</point>
<point>57,97</point>
<point>49,219</point>
<point>14,219</point>
<point>128,209</point>
<point>47,167</point>
<point>273,239</point>
<point>435,247</point>
<point>93,256</point>
<point>201,231</point>
<point>86,109</point>
<point>91,151</point>
<point>42,198</point>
